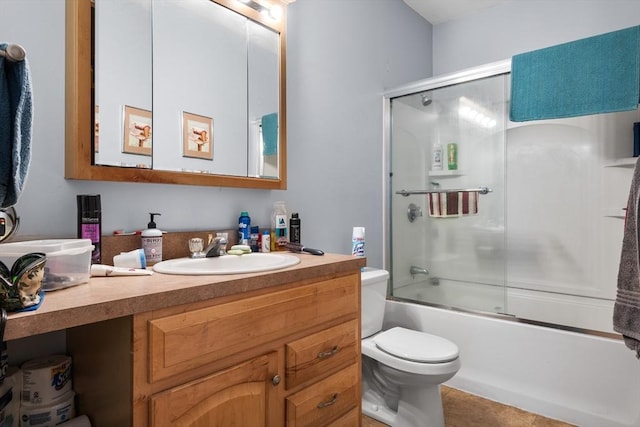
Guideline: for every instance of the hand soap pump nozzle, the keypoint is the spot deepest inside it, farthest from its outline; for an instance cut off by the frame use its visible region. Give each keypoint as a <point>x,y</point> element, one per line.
<point>152,223</point>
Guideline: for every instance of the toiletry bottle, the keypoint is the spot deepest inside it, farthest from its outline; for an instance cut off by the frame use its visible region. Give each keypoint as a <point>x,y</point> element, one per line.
<point>294,228</point>
<point>152,242</point>
<point>244,228</point>
<point>357,241</point>
<point>452,156</point>
<point>279,227</point>
<point>90,222</point>
<point>254,238</point>
<point>436,156</point>
<point>266,241</point>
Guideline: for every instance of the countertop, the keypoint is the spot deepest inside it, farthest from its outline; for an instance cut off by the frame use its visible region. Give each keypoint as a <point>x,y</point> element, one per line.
<point>104,298</point>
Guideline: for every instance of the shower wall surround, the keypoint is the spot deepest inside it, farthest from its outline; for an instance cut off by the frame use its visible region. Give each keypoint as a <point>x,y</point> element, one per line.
<point>545,243</point>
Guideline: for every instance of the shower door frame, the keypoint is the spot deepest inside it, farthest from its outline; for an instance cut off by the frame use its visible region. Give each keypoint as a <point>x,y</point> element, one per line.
<point>463,76</point>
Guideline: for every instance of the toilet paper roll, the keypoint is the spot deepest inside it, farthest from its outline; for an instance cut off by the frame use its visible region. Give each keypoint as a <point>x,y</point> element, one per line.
<point>10,397</point>
<point>60,411</point>
<point>81,421</point>
<point>45,380</point>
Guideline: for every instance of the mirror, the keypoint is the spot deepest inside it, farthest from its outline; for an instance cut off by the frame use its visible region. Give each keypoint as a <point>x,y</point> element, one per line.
<point>218,111</point>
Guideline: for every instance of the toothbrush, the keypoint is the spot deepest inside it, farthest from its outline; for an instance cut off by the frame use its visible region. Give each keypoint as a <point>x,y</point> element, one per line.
<point>297,247</point>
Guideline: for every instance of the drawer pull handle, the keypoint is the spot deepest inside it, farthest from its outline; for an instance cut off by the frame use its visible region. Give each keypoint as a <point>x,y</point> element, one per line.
<point>328,402</point>
<point>328,353</point>
<point>276,380</point>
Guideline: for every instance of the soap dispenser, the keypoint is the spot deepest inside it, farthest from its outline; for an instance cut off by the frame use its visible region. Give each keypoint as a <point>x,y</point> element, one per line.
<point>152,242</point>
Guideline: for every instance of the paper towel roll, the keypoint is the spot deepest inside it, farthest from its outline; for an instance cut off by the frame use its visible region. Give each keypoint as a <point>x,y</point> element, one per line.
<point>46,379</point>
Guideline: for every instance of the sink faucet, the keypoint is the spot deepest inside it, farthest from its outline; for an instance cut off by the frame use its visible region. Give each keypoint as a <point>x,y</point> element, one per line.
<point>417,270</point>
<point>217,247</point>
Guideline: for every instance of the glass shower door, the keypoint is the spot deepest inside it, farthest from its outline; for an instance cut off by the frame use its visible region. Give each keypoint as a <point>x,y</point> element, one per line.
<point>448,216</point>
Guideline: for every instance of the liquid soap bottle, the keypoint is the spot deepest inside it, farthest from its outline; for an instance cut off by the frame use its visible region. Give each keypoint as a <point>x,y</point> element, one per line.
<point>152,242</point>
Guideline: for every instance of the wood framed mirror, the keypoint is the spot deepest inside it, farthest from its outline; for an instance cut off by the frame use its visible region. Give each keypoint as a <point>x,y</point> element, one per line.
<point>82,121</point>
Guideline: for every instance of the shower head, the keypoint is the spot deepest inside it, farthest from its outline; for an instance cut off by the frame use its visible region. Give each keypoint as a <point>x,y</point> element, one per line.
<point>426,100</point>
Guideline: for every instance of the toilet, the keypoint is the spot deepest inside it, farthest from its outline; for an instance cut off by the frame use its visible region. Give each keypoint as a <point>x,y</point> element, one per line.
<point>402,369</point>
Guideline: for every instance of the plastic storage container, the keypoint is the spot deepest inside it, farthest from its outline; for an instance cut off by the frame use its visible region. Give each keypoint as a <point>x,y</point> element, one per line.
<point>68,260</point>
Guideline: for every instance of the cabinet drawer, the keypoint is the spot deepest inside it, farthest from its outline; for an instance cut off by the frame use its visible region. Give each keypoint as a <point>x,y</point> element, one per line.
<point>184,341</point>
<point>320,353</point>
<point>326,401</point>
<point>350,419</point>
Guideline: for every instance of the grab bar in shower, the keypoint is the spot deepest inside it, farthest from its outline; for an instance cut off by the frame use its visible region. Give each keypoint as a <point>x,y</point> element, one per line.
<point>481,190</point>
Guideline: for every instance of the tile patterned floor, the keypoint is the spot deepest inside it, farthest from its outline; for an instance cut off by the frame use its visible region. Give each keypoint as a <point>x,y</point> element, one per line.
<point>467,410</point>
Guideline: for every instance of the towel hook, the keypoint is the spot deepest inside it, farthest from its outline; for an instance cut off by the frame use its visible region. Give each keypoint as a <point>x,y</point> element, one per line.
<point>14,53</point>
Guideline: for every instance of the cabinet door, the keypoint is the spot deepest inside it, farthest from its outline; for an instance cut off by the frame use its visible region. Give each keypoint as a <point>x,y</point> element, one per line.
<point>243,395</point>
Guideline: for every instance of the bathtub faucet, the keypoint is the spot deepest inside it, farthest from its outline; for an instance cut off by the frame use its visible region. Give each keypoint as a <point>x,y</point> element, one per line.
<point>418,270</point>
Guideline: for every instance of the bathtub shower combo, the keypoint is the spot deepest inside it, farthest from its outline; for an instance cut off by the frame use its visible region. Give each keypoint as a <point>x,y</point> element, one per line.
<point>523,219</point>
<point>518,225</point>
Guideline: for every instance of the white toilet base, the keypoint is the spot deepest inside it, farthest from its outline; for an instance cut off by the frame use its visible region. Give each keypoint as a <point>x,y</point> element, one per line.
<point>373,406</point>
<point>428,400</point>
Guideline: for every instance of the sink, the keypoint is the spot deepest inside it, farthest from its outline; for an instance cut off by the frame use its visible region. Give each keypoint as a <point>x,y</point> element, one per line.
<point>227,264</point>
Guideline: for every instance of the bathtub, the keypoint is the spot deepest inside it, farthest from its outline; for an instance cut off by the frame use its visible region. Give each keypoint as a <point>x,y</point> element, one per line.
<point>569,311</point>
<point>582,379</point>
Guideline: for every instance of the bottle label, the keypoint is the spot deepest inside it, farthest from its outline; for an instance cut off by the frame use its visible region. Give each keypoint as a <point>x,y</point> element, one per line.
<point>357,248</point>
<point>281,221</point>
<point>152,247</point>
<point>92,232</point>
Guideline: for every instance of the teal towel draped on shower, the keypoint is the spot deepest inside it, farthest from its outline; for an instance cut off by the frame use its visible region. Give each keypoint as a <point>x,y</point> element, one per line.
<point>599,74</point>
<point>270,134</point>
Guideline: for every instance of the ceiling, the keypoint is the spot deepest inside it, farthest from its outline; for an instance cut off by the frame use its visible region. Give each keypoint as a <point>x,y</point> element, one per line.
<point>439,11</point>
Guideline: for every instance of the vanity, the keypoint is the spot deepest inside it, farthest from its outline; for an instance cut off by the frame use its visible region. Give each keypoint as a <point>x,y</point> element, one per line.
<point>262,349</point>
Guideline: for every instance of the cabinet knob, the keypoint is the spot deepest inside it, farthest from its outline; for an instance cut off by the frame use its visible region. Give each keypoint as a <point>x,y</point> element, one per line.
<point>276,380</point>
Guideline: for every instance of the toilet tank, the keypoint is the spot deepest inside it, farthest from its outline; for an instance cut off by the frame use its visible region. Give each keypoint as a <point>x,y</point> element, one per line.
<point>374,295</point>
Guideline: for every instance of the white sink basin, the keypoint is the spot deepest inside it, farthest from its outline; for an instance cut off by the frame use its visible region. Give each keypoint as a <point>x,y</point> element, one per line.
<point>227,264</point>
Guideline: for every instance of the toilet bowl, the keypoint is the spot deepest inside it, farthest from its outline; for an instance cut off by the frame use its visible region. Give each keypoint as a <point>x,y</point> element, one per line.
<point>402,368</point>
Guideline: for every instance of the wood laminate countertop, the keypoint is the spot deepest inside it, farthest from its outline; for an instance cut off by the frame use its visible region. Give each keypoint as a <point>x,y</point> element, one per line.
<point>104,298</point>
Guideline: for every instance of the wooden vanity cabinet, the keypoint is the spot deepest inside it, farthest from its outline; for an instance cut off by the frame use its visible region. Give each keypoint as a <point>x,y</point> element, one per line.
<point>281,356</point>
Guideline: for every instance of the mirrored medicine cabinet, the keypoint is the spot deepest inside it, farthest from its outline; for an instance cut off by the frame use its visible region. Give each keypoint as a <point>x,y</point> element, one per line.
<point>176,92</point>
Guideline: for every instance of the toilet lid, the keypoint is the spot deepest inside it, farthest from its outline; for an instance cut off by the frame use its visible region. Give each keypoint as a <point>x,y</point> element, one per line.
<point>416,346</point>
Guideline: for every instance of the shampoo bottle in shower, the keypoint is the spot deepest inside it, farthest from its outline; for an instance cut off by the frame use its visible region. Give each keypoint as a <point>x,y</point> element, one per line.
<point>436,156</point>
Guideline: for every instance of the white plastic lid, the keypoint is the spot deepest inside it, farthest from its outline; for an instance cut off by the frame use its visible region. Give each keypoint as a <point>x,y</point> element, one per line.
<point>416,346</point>
<point>46,246</point>
<point>370,274</point>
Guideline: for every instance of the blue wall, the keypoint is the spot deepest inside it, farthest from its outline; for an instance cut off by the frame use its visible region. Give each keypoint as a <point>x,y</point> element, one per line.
<point>340,60</point>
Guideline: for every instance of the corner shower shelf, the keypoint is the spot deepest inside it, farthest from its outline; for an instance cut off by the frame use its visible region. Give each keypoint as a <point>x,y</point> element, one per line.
<point>446,173</point>
<point>615,213</point>
<point>627,162</point>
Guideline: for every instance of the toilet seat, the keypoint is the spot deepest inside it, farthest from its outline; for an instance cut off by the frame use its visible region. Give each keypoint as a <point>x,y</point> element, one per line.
<point>416,346</point>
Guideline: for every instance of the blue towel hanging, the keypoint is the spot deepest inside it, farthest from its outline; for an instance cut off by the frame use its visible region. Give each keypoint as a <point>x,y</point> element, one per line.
<point>16,112</point>
<point>599,74</point>
<point>270,134</point>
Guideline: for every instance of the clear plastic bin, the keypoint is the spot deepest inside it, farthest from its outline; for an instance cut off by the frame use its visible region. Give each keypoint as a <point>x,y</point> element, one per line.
<point>68,260</point>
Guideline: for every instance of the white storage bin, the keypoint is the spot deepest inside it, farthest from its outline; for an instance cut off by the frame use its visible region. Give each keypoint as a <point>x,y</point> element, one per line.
<point>68,260</point>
